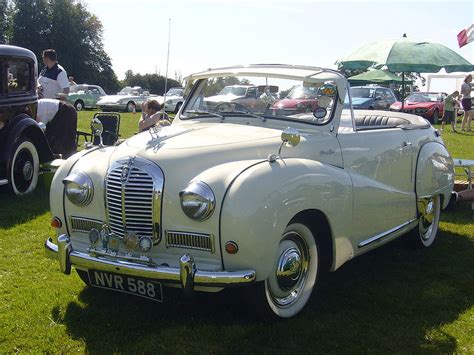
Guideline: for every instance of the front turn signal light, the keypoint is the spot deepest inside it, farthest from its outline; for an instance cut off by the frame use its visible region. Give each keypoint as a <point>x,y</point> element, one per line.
<point>56,222</point>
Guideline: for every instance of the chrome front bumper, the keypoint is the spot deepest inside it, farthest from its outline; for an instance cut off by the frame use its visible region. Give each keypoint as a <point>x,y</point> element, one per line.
<point>187,274</point>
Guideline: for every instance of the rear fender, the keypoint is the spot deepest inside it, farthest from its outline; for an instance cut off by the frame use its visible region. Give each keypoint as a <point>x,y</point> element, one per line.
<point>261,202</point>
<point>434,172</point>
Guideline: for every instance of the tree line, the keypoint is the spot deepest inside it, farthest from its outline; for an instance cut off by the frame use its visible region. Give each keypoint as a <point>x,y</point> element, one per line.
<point>75,34</point>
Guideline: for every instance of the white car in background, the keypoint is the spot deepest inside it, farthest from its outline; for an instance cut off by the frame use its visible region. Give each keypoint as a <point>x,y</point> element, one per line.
<point>129,99</point>
<point>174,99</point>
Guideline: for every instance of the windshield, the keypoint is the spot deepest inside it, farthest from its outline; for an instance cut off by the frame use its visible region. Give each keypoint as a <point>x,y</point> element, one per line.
<point>175,92</point>
<point>77,88</point>
<point>265,97</point>
<point>233,90</point>
<point>366,93</point>
<point>130,91</point>
<point>302,93</point>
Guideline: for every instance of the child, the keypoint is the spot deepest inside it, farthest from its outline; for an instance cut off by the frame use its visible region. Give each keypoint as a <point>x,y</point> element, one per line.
<point>449,104</point>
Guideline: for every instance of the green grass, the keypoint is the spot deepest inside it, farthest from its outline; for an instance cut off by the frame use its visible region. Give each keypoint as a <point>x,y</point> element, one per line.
<point>393,300</point>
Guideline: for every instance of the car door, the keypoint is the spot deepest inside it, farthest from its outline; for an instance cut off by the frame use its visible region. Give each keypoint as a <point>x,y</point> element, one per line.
<point>379,162</point>
<point>379,103</point>
<point>94,96</point>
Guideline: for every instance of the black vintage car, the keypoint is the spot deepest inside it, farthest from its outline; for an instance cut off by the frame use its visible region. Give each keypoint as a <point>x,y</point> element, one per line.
<point>23,145</point>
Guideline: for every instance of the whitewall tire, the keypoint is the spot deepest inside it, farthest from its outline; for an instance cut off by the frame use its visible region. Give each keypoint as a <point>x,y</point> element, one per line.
<point>295,272</point>
<point>24,167</point>
<point>429,210</point>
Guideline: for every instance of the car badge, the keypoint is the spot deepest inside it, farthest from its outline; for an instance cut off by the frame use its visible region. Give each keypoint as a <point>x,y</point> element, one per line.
<point>130,239</point>
<point>125,172</point>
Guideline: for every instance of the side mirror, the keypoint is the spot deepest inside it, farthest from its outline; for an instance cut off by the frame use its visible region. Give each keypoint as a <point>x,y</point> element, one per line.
<point>291,137</point>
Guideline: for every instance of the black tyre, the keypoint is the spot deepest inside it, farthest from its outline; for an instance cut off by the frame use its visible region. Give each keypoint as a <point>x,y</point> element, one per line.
<point>24,167</point>
<point>79,105</point>
<point>131,107</point>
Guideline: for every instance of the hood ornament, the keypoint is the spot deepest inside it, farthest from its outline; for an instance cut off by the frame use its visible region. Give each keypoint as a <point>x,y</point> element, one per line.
<point>126,169</point>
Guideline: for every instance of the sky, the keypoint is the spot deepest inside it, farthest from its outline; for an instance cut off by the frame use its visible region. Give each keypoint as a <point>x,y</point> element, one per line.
<point>217,33</point>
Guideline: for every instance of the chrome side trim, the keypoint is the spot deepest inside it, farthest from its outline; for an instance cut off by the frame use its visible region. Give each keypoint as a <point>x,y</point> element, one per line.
<point>3,182</point>
<point>377,237</point>
<point>187,274</point>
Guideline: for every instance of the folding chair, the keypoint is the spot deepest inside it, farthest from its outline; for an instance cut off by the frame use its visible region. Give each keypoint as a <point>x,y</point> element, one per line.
<point>111,123</point>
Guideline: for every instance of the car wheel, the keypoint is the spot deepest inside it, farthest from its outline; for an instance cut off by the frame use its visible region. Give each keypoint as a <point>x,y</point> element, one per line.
<point>131,107</point>
<point>24,167</point>
<point>371,108</point>
<point>84,276</point>
<point>79,105</point>
<point>435,117</point>
<point>294,274</point>
<point>429,210</point>
<point>178,106</point>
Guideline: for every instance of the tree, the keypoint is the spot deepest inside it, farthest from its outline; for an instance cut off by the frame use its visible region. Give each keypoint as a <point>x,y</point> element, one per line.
<point>3,20</point>
<point>71,30</point>
<point>152,82</point>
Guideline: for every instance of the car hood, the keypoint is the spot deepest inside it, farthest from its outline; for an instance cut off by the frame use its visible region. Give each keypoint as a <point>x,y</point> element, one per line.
<point>361,100</point>
<point>117,98</point>
<point>419,104</point>
<point>290,103</point>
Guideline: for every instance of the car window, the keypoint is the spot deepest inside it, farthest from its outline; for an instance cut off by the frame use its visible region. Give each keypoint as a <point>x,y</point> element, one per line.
<point>95,91</point>
<point>18,76</point>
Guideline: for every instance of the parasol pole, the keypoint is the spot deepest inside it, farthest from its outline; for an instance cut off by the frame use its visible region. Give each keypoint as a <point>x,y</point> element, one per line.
<point>167,62</point>
<point>403,90</point>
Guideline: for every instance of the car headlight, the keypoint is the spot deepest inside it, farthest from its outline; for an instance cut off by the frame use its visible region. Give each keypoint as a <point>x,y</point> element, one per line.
<point>79,188</point>
<point>197,201</point>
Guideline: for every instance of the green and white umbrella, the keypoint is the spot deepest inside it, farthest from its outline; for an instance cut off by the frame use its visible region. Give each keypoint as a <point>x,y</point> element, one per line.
<point>404,55</point>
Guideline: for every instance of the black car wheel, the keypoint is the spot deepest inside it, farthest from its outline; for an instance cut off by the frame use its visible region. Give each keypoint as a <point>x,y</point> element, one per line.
<point>24,167</point>
<point>131,107</point>
<point>79,105</point>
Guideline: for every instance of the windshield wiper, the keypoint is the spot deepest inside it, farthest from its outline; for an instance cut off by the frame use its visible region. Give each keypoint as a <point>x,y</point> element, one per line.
<point>198,112</point>
<point>244,113</point>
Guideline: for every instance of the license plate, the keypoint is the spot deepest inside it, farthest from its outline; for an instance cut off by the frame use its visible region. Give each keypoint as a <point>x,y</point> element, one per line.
<point>122,283</point>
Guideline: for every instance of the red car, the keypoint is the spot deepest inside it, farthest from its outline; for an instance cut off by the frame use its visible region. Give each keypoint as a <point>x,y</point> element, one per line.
<point>430,105</point>
<point>299,100</point>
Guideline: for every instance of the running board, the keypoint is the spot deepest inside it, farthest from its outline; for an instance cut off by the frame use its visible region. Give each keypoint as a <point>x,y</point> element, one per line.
<point>379,237</point>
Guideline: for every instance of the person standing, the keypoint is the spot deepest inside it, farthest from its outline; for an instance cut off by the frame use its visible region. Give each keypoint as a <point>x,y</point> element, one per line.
<point>53,79</point>
<point>449,105</point>
<point>466,102</point>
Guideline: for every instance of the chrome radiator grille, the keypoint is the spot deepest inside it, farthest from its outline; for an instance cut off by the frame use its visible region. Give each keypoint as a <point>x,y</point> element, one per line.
<point>187,240</point>
<point>129,197</point>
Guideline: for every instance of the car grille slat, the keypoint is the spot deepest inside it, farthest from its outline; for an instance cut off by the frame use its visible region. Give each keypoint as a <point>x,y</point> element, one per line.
<point>81,224</point>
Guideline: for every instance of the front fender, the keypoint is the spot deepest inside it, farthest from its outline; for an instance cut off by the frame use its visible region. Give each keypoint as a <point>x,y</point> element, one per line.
<point>262,200</point>
<point>434,172</point>
<point>21,126</point>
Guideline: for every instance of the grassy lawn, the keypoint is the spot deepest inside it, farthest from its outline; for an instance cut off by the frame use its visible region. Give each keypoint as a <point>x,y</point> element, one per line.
<point>392,300</point>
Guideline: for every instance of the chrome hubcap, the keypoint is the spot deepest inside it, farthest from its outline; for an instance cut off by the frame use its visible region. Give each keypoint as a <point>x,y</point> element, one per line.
<point>27,170</point>
<point>427,208</point>
<point>291,271</point>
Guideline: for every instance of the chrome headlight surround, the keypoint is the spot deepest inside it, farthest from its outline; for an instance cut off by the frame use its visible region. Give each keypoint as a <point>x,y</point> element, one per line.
<point>197,201</point>
<point>79,188</point>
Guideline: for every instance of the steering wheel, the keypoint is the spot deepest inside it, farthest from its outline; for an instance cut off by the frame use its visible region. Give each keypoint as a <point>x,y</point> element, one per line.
<point>231,106</point>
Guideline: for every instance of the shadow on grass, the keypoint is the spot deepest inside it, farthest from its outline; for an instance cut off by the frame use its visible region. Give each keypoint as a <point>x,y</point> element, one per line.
<point>391,300</point>
<point>20,209</point>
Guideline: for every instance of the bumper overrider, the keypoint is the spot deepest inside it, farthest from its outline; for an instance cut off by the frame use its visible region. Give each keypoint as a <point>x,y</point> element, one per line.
<point>187,274</point>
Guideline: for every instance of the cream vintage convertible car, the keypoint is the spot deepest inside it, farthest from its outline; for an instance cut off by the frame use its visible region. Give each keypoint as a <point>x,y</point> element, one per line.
<point>248,197</point>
